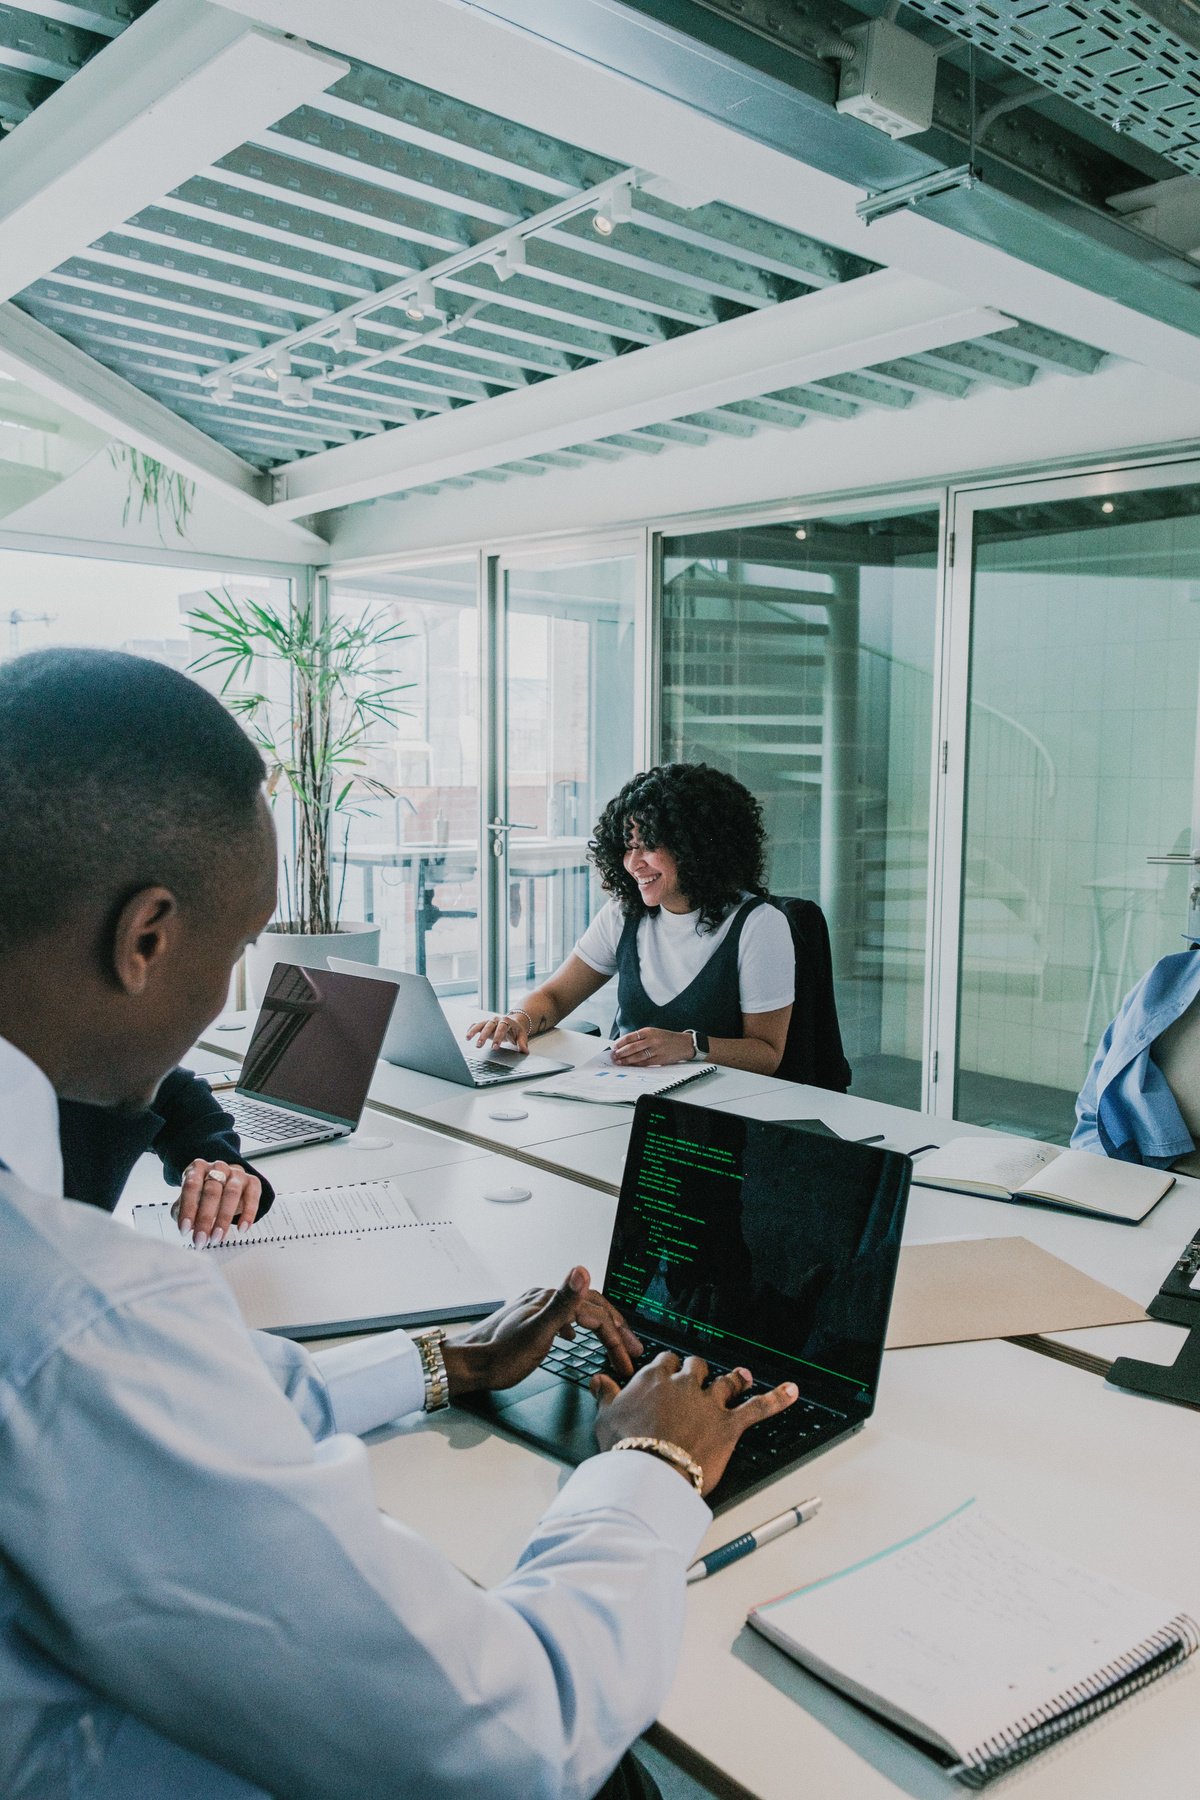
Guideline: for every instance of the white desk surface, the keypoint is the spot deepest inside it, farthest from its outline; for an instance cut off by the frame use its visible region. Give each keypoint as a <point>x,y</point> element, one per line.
<point>1107,1477</point>
<point>582,1140</point>
<point>1101,1476</point>
<point>468,1110</point>
<point>526,1243</point>
<point>408,1149</point>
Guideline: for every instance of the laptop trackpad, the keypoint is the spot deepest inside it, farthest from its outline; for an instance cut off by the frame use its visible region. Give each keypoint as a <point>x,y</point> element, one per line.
<point>557,1416</point>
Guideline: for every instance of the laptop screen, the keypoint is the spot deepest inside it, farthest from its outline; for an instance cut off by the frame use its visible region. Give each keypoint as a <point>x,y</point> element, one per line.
<point>747,1241</point>
<point>317,1041</point>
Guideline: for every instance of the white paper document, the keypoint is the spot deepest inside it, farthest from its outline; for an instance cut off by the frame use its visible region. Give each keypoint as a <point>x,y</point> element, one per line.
<point>347,1258</point>
<point>606,1083</point>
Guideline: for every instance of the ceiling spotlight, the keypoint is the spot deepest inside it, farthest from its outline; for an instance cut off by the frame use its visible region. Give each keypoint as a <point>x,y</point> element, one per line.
<point>420,302</point>
<point>346,337</point>
<point>511,260</point>
<point>801,532</point>
<point>615,209</point>
<point>281,363</point>
<point>293,391</point>
<point>1106,506</point>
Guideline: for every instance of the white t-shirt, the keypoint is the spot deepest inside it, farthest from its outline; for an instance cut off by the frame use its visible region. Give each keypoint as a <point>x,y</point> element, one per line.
<point>672,952</point>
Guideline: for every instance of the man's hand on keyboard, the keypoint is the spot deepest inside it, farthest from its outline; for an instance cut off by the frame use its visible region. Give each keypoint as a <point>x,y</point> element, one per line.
<point>668,1399</point>
<point>503,1349</point>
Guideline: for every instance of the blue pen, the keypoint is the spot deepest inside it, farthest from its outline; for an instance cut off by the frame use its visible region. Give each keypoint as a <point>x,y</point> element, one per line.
<point>750,1540</point>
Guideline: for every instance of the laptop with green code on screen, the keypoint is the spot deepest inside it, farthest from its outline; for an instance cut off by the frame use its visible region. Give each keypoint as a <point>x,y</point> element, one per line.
<point>746,1242</point>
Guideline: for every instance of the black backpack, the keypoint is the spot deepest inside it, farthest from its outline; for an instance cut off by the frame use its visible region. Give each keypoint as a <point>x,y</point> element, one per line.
<point>813,1052</point>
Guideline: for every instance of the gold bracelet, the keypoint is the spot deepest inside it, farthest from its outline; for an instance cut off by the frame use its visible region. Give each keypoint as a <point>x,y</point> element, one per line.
<point>667,1452</point>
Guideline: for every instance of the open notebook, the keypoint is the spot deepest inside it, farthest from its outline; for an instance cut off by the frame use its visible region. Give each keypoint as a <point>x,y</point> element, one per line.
<point>353,1258</point>
<point>1000,1167</point>
<point>985,1648</point>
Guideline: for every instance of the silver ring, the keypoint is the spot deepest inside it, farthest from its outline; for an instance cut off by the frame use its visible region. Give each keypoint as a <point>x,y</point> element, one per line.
<point>216,1175</point>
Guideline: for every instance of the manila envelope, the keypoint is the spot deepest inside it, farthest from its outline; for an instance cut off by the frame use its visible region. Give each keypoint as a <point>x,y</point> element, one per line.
<point>964,1288</point>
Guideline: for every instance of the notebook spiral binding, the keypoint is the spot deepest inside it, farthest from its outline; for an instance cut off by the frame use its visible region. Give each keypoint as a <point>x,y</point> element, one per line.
<point>1079,1705</point>
<point>237,1242</point>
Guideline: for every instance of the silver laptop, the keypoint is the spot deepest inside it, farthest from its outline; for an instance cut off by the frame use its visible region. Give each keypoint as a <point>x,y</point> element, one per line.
<point>420,1036</point>
<point>311,1058</point>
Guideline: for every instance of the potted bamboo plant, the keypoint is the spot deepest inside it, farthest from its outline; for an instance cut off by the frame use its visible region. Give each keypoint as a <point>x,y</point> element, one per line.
<point>315,748</point>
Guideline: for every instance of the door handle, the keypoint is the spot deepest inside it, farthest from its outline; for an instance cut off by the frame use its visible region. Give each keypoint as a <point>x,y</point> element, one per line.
<point>1179,858</point>
<point>499,828</point>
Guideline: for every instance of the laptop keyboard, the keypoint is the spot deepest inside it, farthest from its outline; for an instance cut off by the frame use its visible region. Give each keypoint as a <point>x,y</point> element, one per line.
<point>267,1125</point>
<point>770,1441</point>
<point>487,1069</point>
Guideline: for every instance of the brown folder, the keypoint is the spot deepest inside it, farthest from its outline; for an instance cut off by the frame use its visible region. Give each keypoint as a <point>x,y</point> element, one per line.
<point>949,1293</point>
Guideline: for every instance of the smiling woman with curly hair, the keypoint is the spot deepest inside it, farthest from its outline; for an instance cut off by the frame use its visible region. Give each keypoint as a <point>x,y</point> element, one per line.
<point>704,964</point>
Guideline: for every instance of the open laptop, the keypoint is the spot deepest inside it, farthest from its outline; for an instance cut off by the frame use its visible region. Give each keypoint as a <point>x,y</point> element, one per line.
<point>311,1058</point>
<point>746,1242</point>
<point>421,1037</point>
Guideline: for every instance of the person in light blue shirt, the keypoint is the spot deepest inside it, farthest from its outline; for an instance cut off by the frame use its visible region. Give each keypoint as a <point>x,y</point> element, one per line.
<point>199,1596</point>
<point>1137,1101</point>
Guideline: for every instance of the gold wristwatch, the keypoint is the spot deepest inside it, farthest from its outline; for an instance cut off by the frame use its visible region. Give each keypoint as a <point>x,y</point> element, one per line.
<point>433,1367</point>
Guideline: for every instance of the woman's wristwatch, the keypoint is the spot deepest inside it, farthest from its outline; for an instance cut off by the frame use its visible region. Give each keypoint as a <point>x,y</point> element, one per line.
<point>699,1043</point>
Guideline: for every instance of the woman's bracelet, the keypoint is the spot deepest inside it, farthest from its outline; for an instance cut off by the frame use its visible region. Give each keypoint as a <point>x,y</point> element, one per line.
<point>518,1012</point>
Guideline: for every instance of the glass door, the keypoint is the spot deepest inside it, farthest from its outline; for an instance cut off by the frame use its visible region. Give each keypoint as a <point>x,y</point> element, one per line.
<point>798,656</point>
<point>1071,770</point>
<point>568,730</point>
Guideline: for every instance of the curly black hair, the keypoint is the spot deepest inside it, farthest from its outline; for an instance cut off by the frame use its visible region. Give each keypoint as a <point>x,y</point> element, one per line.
<point>708,822</point>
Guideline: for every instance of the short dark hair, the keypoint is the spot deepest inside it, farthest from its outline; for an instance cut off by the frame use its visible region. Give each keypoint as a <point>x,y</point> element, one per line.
<point>709,822</point>
<point>116,773</point>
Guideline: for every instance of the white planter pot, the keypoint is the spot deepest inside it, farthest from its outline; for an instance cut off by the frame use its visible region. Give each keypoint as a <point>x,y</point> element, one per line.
<point>310,950</point>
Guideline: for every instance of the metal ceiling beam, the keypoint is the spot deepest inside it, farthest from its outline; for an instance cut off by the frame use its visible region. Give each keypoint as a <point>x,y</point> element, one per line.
<point>159,237</point>
<point>87,390</point>
<point>879,317</point>
<point>42,46</point>
<point>103,18</point>
<point>20,92</point>
<point>180,88</point>
<point>713,119</point>
<point>768,410</point>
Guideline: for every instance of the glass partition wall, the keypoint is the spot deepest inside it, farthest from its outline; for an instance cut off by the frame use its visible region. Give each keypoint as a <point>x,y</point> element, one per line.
<point>1081,601</point>
<point>520,713</point>
<point>799,657</point>
<point>567,736</point>
<point>971,719</point>
<point>412,861</point>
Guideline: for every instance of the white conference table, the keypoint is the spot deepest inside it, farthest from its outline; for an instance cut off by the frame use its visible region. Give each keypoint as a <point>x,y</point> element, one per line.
<point>1104,1475</point>
<point>1033,1441</point>
<point>588,1142</point>
<point>468,1112</point>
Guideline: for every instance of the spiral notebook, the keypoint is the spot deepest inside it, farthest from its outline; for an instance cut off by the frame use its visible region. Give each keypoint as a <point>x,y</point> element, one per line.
<point>606,1083</point>
<point>983,1647</point>
<point>334,1259</point>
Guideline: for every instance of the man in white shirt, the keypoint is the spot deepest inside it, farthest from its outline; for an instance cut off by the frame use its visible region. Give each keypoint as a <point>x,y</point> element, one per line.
<point>198,1596</point>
